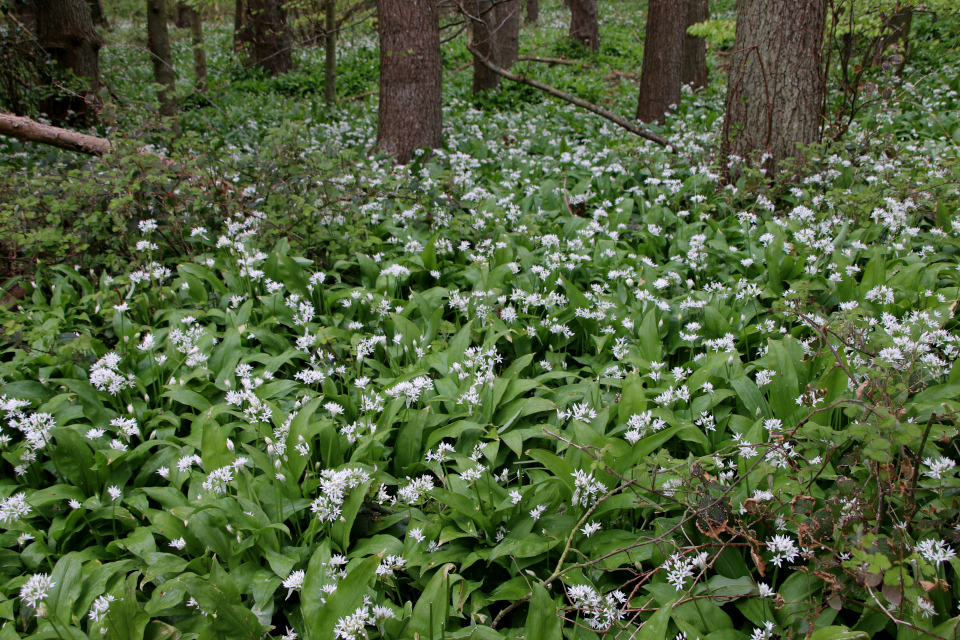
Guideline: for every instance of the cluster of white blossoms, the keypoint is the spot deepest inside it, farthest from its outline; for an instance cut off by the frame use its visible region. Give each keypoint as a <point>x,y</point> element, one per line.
<point>601,611</point>
<point>335,486</point>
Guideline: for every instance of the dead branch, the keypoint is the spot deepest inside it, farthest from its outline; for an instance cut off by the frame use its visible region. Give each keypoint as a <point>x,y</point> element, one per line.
<point>29,130</point>
<point>555,61</point>
<point>583,104</point>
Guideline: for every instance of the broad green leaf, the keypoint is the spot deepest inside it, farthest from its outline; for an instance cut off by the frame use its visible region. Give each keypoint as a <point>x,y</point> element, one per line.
<point>343,601</point>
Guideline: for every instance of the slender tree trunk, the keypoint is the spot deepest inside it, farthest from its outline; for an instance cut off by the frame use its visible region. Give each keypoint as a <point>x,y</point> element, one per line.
<point>898,32</point>
<point>97,13</point>
<point>483,37</point>
<point>241,28</point>
<point>662,59</point>
<point>158,42</point>
<point>410,114</point>
<point>199,50</point>
<point>775,82</point>
<point>533,10</point>
<point>507,36</point>
<point>330,42</point>
<point>183,15</point>
<point>693,69</point>
<point>584,27</point>
<point>65,31</point>
<point>268,36</point>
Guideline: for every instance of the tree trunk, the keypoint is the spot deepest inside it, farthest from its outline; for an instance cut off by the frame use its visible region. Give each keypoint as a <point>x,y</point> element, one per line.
<point>330,43</point>
<point>241,27</point>
<point>662,59</point>
<point>898,32</point>
<point>483,38</point>
<point>410,76</point>
<point>507,37</point>
<point>775,82</point>
<point>533,10</point>
<point>584,27</point>
<point>158,42</point>
<point>183,15</point>
<point>97,14</point>
<point>199,51</point>
<point>65,31</point>
<point>693,69</point>
<point>270,45</point>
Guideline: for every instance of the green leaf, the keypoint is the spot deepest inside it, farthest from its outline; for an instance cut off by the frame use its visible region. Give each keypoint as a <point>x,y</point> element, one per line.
<point>343,601</point>
<point>126,620</point>
<point>837,633</point>
<point>527,547</point>
<point>542,620</point>
<point>432,609</point>
<point>655,628</point>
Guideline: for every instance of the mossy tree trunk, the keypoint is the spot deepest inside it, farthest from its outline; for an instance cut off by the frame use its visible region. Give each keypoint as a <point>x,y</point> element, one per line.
<point>269,41</point>
<point>330,44</point>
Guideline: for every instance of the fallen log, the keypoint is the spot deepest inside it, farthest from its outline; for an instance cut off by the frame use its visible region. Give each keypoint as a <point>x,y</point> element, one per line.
<point>29,130</point>
<point>554,61</point>
<point>583,104</point>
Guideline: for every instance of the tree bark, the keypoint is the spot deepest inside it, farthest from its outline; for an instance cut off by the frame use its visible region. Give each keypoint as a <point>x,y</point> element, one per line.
<point>183,15</point>
<point>158,42</point>
<point>584,27</point>
<point>97,14</point>
<point>775,82</point>
<point>898,32</point>
<point>693,69</point>
<point>483,36</point>
<point>330,44</point>
<point>199,50</point>
<point>411,74</point>
<point>241,28</point>
<point>533,10</point>
<point>65,31</point>
<point>28,130</point>
<point>507,36</point>
<point>270,44</point>
<point>662,59</point>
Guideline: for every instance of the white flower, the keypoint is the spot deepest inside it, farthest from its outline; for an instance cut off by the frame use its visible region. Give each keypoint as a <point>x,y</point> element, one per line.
<point>179,543</point>
<point>765,590</point>
<point>938,467</point>
<point>100,607</point>
<point>936,551</point>
<point>590,528</point>
<point>537,511</point>
<point>294,582</point>
<point>783,547</point>
<point>114,492</point>
<point>926,607</point>
<point>36,589</point>
<point>13,508</point>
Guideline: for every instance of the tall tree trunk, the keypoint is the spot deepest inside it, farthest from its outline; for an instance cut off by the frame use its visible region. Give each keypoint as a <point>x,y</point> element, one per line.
<point>183,15</point>
<point>97,14</point>
<point>693,69</point>
<point>483,37</point>
<point>65,31</point>
<point>507,37</point>
<point>775,82</point>
<point>898,32</point>
<point>199,51</point>
<point>410,114</point>
<point>584,27</point>
<point>241,27</point>
<point>158,42</point>
<point>330,43</point>
<point>662,59</point>
<point>268,36</point>
<point>533,10</point>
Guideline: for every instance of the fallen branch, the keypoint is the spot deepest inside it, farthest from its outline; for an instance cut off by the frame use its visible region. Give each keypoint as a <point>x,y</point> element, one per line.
<point>555,61</point>
<point>361,96</point>
<point>583,104</point>
<point>29,130</point>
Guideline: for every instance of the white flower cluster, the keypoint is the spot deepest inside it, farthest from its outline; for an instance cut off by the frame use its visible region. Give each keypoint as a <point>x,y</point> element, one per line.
<point>335,485</point>
<point>601,611</point>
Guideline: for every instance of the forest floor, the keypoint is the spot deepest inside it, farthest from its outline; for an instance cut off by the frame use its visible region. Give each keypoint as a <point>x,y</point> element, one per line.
<point>549,376</point>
